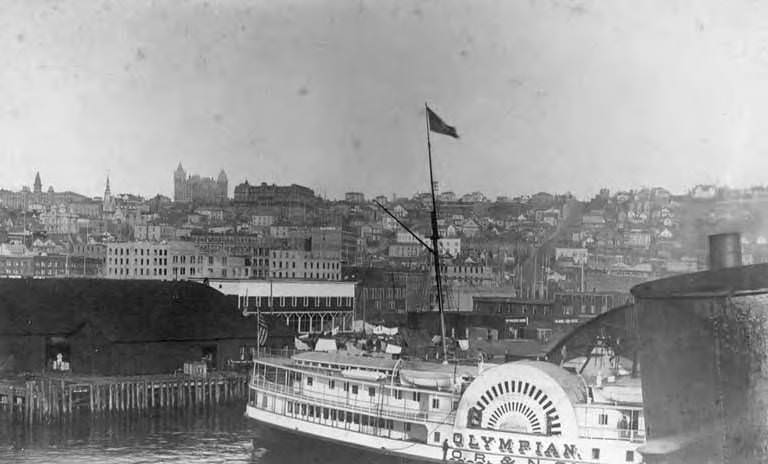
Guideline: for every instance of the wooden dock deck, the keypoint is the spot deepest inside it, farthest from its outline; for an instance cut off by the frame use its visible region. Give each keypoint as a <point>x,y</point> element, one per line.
<point>47,397</point>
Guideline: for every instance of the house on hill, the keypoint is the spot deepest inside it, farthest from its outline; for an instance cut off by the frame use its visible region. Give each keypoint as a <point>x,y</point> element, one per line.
<point>109,327</point>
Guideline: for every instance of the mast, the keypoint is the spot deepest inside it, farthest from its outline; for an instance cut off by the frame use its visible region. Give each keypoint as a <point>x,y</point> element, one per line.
<point>435,239</point>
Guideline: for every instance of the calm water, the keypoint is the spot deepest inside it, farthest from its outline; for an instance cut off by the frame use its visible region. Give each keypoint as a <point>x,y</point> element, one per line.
<point>221,436</point>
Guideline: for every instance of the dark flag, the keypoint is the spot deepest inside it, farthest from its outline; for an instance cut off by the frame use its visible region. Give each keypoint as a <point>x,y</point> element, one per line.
<point>437,125</point>
<point>263,330</point>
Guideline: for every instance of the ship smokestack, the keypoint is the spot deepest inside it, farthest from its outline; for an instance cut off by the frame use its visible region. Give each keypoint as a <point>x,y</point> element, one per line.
<point>724,250</point>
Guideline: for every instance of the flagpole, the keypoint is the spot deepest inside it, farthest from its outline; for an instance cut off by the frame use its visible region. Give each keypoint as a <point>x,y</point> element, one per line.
<point>435,240</point>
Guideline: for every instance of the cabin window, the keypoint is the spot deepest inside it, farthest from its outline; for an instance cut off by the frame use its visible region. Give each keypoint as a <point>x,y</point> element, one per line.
<point>436,437</point>
<point>325,413</point>
<point>398,394</point>
<point>331,384</point>
<point>309,381</point>
<point>435,403</point>
<point>303,409</point>
<point>311,410</point>
<point>602,419</point>
<point>407,426</point>
<point>264,401</point>
<point>333,414</point>
<point>630,456</point>
<point>346,386</point>
<point>416,396</point>
<point>349,416</point>
<point>356,418</point>
<point>371,391</point>
<point>595,453</point>
<point>354,389</point>
<point>390,424</point>
<point>290,407</point>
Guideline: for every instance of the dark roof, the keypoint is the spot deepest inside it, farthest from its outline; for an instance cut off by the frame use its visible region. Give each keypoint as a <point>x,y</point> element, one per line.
<point>726,281</point>
<point>123,310</point>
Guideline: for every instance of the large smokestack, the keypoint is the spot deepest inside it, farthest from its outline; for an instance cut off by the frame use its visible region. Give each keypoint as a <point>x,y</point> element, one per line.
<point>724,251</point>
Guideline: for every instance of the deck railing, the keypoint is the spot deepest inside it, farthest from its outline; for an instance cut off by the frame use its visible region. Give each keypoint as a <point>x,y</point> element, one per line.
<point>384,411</point>
<point>635,436</point>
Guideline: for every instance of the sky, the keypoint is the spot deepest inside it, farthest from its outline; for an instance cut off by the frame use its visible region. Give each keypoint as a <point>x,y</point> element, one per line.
<point>547,95</point>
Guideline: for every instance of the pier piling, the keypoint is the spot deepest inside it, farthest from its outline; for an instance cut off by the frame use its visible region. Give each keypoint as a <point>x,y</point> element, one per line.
<point>55,397</point>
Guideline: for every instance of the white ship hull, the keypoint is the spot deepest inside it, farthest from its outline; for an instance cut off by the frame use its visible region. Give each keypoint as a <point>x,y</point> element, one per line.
<point>380,445</point>
<point>484,450</point>
<point>478,426</point>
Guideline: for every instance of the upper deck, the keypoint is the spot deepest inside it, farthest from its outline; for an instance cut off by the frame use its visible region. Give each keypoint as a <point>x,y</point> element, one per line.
<point>530,406</point>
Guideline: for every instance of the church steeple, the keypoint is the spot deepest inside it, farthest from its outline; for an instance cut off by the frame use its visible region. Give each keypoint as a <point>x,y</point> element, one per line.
<point>108,204</point>
<point>38,184</point>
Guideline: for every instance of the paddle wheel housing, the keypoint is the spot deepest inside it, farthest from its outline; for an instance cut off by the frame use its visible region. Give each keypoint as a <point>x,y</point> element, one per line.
<point>526,396</point>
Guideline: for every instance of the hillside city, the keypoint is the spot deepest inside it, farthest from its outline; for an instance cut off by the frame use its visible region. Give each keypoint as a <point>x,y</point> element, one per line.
<point>541,249</point>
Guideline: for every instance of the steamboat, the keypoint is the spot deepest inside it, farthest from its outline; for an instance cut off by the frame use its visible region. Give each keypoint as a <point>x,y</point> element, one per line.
<point>518,412</point>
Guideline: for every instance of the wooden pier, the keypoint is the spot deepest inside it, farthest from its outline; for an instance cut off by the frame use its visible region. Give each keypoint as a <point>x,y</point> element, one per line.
<point>51,397</point>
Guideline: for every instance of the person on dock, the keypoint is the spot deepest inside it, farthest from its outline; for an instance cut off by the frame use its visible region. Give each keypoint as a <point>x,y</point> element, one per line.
<point>445,450</point>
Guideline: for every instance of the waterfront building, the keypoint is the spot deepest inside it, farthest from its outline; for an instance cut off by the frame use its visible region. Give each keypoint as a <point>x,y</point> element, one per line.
<point>307,307</point>
<point>107,327</point>
<point>193,188</point>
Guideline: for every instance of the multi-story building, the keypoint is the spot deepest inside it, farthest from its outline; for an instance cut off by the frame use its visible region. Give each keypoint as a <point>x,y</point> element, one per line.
<point>27,199</point>
<point>231,244</point>
<point>176,260</point>
<point>303,264</point>
<point>193,188</point>
<point>354,197</point>
<point>153,232</point>
<point>262,220</point>
<point>139,260</point>
<point>474,275</point>
<point>59,220</point>
<point>88,209</point>
<point>15,260</point>
<point>50,266</point>
<point>289,201</point>
<point>446,245</point>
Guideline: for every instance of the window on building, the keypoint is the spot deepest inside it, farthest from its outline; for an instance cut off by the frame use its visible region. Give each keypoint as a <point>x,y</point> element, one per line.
<point>371,391</point>
<point>602,419</point>
<point>416,396</point>
<point>309,381</point>
<point>331,384</point>
<point>354,389</point>
<point>435,403</point>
